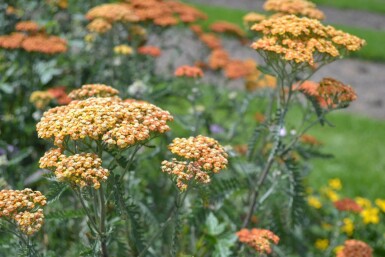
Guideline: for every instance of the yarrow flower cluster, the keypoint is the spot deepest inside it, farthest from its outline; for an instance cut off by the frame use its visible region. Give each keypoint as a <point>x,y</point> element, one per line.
<point>99,25</point>
<point>252,18</point>
<point>40,99</point>
<point>115,122</point>
<point>329,93</point>
<point>296,7</point>
<point>355,248</point>
<point>82,169</point>
<point>200,156</point>
<point>228,28</point>
<point>150,51</point>
<point>303,40</point>
<point>188,71</point>
<point>259,239</point>
<point>22,206</point>
<point>27,26</point>
<point>348,204</point>
<point>93,90</point>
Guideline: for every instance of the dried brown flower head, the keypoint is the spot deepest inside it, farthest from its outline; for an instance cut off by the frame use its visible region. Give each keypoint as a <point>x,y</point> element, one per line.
<point>84,169</point>
<point>200,156</point>
<point>259,239</point>
<point>303,40</point>
<point>93,90</point>
<point>22,206</point>
<point>297,7</point>
<point>188,71</point>
<point>355,248</point>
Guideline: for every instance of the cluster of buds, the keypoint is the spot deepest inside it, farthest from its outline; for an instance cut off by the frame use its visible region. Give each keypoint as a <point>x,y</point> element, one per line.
<point>300,40</point>
<point>116,122</point>
<point>84,169</point>
<point>259,239</point>
<point>22,206</point>
<point>200,156</point>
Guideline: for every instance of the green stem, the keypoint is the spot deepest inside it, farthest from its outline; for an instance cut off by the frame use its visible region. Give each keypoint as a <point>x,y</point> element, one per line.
<point>103,236</point>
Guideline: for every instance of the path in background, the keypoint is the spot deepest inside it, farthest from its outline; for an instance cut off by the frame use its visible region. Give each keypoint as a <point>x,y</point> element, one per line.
<point>367,78</point>
<point>348,17</point>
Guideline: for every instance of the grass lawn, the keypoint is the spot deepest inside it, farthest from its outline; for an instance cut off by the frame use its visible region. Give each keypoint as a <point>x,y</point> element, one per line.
<point>367,5</point>
<point>374,50</point>
<point>358,146</point>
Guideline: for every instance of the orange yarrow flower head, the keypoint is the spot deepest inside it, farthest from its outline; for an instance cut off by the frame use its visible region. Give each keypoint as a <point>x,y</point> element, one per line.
<point>59,93</point>
<point>23,206</point>
<point>302,8</point>
<point>355,248</point>
<point>27,26</point>
<point>302,40</point>
<point>82,169</point>
<point>199,156</point>
<point>12,41</point>
<point>236,69</point>
<point>188,71</point>
<point>218,59</point>
<point>110,119</point>
<point>150,51</point>
<point>228,28</point>
<point>44,44</point>
<point>210,40</point>
<point>259,239</point>
<point>348,204</point>
<point>335,93</point>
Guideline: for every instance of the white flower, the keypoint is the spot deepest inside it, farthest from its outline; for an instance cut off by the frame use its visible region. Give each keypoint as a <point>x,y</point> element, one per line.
<point>138,88</point>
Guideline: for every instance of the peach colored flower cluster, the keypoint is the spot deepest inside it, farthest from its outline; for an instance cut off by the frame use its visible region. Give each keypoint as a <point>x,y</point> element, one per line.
<point>300,39</point>
<point>296,7</point>
<point>99,25</point>
<point>82,169</point>
<point>112,12</point>
<point>110,119</point>
<point>259,239</point>
<point>235,69</point>
<point>188,71</point>
<point>200,156</point>
<point>20,206</point>
<point>355,248</point>
<point>251,18</point>
<point>218,59</point>
<point>93,90</point>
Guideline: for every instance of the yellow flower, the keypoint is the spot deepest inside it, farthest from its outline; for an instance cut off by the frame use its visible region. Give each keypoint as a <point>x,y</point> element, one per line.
<point>326,226</point>
<point>338,249</point>
<point>370,215</point>
<point>348,226</point>
<point>314,202</point>
<point>335,183</point>
<point>322,244</point>
<point>363,202</point>
<point>89,38</point>
<point>381,204</point>
<point>123,50</point>
<point>332,195</point>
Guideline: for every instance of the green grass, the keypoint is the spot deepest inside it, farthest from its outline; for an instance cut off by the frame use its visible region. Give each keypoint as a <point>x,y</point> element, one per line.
<point>359,155</point>
<point>373,50</point>
<point>366,5</point>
